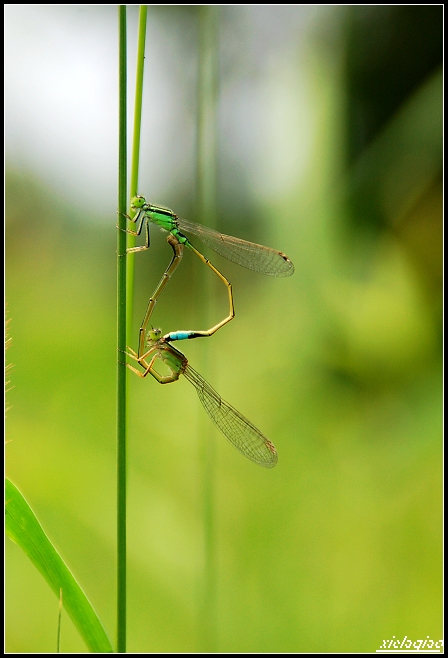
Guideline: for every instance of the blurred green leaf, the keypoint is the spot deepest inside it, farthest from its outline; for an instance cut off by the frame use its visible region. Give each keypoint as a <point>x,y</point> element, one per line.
<point>24,529</point>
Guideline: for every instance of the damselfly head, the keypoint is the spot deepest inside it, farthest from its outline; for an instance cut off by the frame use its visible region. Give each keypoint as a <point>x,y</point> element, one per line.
<point>137,202</point>
<point>153,335</point>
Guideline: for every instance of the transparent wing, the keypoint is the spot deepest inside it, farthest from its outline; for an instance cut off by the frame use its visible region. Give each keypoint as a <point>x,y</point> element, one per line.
<point>236,428</point>
<point>248,254</point>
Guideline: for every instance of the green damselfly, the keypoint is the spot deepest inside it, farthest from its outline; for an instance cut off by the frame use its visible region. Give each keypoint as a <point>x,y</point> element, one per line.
<point>236,428</point>
<point>247,254</point>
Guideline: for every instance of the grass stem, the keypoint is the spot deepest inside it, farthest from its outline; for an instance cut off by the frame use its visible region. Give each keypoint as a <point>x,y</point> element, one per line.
<point>121,339</point>
<point>206,182</point>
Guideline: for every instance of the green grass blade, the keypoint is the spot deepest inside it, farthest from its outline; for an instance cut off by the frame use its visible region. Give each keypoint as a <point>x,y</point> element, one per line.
<point>24,529</point>
<point>130,259</point>
<point>121,337</point>
<point>206,186</point>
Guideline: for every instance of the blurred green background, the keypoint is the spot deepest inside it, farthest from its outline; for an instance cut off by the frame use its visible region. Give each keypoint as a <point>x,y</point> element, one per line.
<point>329,132</point>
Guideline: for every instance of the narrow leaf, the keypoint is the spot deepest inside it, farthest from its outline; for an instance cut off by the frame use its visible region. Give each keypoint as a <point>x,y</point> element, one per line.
<point>24,529</point>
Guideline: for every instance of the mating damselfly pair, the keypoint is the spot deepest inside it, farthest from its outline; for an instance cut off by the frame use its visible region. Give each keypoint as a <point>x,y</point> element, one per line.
<point>235,427</point>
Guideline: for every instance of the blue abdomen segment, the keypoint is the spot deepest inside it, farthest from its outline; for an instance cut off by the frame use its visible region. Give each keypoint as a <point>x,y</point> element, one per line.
<point>179,335</point>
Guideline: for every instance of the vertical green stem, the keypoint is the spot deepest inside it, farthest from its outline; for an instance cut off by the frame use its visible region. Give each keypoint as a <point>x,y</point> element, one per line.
<point>121,322</point>
<point>206,178</point>
<point>136,156</point>
<point>125,293</point>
